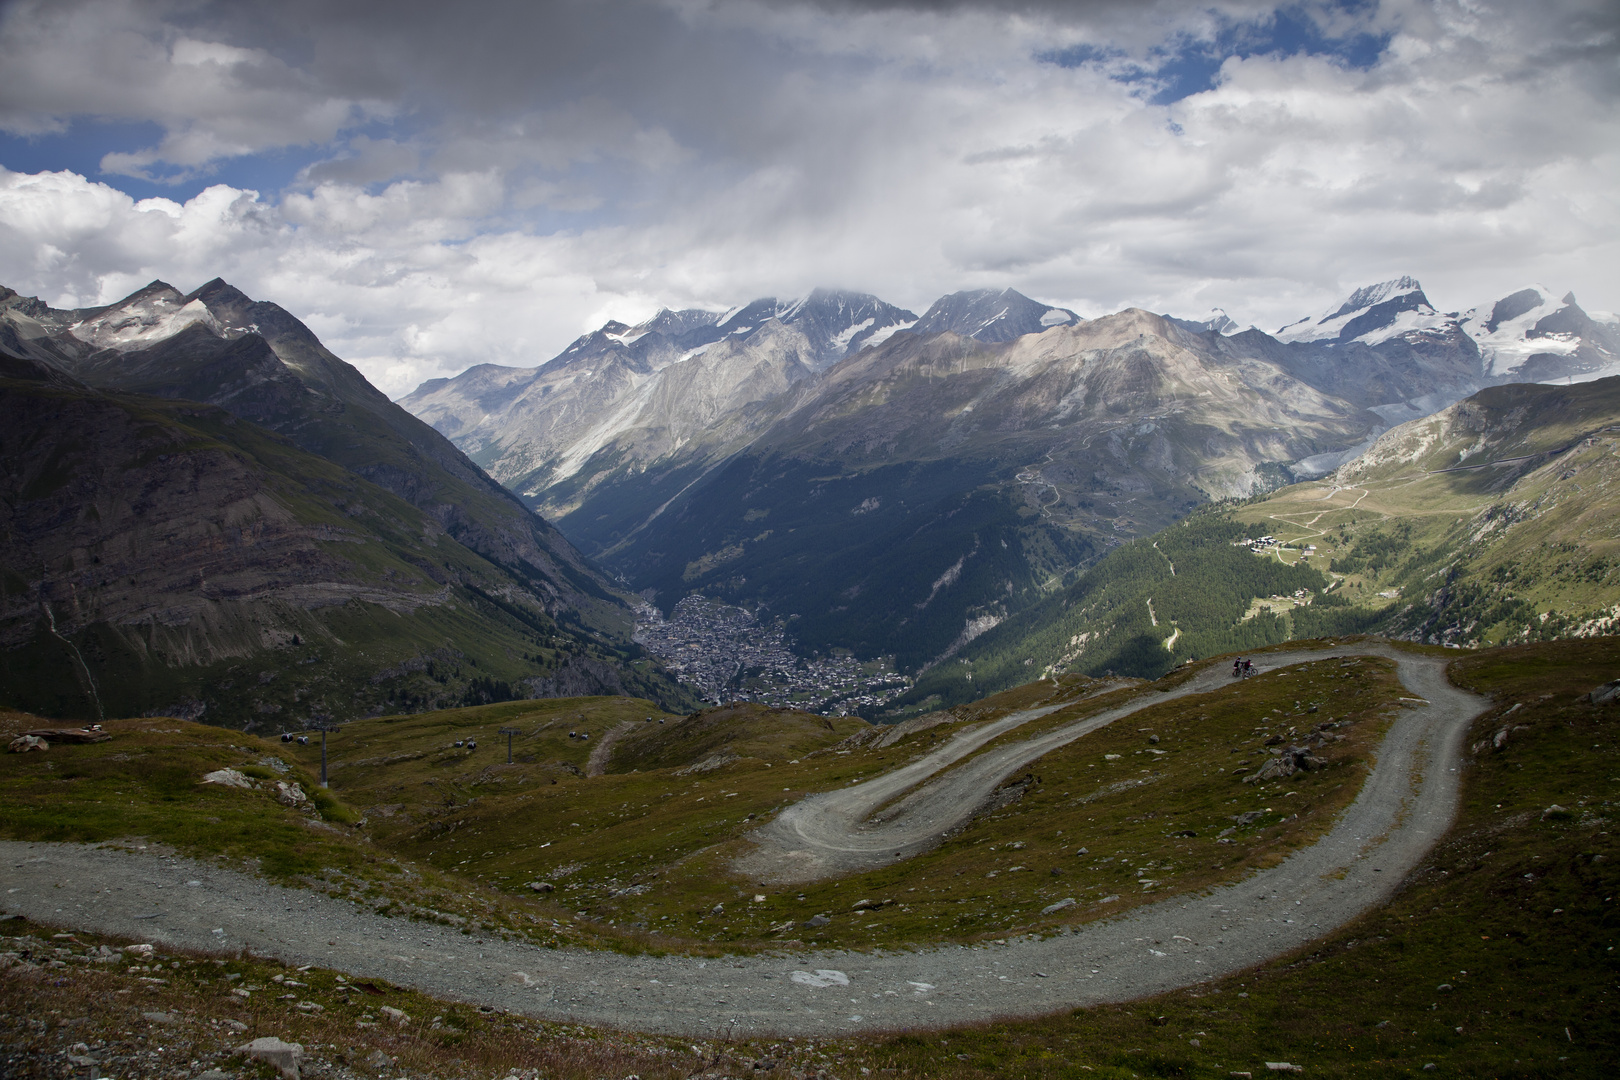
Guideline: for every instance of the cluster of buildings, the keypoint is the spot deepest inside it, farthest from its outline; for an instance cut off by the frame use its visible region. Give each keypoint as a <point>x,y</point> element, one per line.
<point>730,655</point>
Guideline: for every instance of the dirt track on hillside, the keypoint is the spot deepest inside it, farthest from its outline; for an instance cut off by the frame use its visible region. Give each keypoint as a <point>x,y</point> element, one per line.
<point>1406,805</point>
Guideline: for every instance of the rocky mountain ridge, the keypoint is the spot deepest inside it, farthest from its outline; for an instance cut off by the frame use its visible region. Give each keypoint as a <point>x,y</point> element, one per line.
<point>231,486</point>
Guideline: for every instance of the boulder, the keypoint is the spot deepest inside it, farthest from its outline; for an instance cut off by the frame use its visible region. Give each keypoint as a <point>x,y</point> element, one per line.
<point>285,1057</point>
<point>290,794</point>
<point>227,778</point>
<point>815,922</point>
<point>1607,694</point>
<point>1066,902</point>
<point>22,744</point>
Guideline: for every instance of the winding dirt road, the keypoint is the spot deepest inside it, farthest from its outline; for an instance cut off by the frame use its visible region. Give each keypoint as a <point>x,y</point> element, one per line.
<point>1406,805</point>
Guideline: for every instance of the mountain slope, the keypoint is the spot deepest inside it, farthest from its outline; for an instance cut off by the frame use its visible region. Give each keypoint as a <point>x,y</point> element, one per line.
<point>164,555</point>
<point>259,363</point>
<point>988,315</point>
<point>216,556</point>
<point>1492,521</point>
<point>922,490</point>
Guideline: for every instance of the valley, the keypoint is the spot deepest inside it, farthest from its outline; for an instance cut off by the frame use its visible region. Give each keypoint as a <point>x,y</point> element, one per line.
<point>906,493</point>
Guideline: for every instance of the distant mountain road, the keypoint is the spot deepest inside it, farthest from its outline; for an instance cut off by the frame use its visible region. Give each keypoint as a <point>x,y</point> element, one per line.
<point>1405,806</point>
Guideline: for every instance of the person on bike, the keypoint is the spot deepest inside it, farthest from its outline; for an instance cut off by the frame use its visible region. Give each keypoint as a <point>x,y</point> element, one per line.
<point>1237,667</point>
<point>1248,667</point>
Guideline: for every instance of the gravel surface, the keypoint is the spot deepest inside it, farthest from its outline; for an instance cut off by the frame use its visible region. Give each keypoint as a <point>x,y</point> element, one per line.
<point>1406,805</point>
<point>835,833</point>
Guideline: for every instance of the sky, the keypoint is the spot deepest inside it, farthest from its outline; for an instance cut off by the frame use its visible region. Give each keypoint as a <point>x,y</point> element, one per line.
<point>431,186</point>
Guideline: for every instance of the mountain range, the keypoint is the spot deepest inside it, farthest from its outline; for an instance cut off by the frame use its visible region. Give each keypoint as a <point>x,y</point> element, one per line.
<point>895,486</point>
<point>208,513</point>
<point>197,488</point>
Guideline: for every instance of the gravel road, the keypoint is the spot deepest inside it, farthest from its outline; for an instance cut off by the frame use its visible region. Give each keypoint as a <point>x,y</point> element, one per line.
<point>1406,805</point>
<point>835,833</point>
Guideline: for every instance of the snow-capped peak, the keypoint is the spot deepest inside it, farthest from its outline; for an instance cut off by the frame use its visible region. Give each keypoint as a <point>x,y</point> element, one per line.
<point>1534,323</point>
<point>1371,314</point>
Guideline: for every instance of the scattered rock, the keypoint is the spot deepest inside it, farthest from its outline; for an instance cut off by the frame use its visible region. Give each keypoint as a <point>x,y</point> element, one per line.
<point>1606,694</point>
<point>542,886</point>
<point>398,1016</point>
<point>235,1025</point>
<point>1556,813</point>
<point>91,734</point>
<point>1066,902</point>
<point>1444,988</point>
<point>286,1057</point>
<point>1083,851</point>
<point>1283,1066</point>
<point>22,744</point>
<point>377,1061</point>
<point>290,794</point>
<point>213,1074</point>
<point>815,922</point>
<point>1248,817</point>
<point>227,778</point>
<point>139,952</point>
<point>821,978</point>
<point>158,1017</point>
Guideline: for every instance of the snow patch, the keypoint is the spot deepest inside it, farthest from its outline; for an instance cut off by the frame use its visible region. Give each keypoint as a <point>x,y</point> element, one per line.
<point>884,333</point>
<point>143,323</point>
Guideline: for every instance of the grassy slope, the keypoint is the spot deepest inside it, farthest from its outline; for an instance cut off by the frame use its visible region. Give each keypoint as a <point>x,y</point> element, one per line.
<point>648,846</point>
<point>1524,551</point>
<point>1181,594</point>
<point>1515,912</point>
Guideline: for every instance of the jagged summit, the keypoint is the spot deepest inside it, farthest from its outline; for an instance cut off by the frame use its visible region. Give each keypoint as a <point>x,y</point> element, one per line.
<point>1371,314</point>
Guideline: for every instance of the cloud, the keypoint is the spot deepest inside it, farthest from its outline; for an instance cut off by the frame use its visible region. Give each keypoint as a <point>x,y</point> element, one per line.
<point>491,180</point>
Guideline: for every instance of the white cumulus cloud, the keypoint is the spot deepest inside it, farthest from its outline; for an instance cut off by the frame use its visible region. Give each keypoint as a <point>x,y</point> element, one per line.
<point>482,183</point>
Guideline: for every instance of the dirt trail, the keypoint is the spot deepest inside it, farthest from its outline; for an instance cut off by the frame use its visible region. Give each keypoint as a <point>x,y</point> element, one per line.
<point>597,764</point>
<point>1406,805</point>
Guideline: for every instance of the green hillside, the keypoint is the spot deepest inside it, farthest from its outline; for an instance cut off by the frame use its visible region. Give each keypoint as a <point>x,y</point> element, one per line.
<point>1493,521</point>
